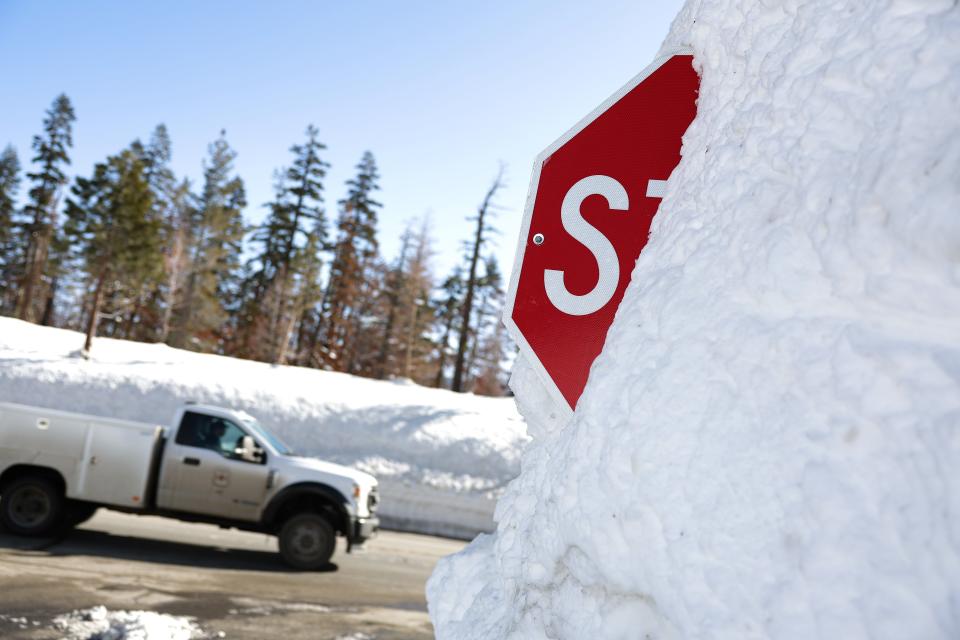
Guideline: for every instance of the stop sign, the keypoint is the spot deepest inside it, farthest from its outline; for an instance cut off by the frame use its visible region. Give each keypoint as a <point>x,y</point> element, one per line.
<point>592,197</point>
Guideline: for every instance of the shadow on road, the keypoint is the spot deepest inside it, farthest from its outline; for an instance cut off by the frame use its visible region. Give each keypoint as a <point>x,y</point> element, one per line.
<point>82,542</point>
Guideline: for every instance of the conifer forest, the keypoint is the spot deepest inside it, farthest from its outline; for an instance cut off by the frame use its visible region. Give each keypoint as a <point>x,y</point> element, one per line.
<point>133,251</point>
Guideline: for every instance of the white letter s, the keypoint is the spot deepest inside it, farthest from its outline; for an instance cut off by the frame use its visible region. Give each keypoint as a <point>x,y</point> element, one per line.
<point>589,236</point>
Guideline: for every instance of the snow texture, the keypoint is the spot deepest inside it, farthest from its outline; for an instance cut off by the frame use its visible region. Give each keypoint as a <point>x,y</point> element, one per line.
<point>442,458</point>
<point>98,623</point>
<point>768,445</point>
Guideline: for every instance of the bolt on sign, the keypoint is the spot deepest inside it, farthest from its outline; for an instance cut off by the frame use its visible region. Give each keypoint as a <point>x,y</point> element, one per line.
<point>593,195</point>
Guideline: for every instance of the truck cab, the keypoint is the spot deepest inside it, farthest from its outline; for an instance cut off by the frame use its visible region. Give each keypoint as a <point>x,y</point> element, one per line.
<point>211,464</point>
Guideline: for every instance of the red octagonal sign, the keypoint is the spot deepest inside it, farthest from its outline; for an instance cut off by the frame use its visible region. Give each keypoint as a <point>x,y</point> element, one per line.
<point>592,197</point>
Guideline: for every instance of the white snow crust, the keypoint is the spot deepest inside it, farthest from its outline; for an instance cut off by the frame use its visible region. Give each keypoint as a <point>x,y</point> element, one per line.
<point>441,458</point>
<point>99,623</point>
<point>769,444</point>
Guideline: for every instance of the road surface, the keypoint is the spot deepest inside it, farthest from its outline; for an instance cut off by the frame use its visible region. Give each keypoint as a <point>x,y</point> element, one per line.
<point>231,582</point>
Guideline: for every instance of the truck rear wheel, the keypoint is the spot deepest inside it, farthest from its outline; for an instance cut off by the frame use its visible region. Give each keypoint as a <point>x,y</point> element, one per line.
<point>31,506</point>
<point>307,541</point>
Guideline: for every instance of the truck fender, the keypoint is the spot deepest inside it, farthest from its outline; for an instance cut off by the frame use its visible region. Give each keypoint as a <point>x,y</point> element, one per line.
<point>19,470</point>
<point>303,495</point>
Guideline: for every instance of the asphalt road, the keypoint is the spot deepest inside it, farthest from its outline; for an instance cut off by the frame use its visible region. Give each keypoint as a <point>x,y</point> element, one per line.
<point>231,582</point>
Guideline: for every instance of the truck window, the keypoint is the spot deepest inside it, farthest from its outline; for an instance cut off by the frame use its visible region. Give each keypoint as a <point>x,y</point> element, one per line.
<point>210,432</point>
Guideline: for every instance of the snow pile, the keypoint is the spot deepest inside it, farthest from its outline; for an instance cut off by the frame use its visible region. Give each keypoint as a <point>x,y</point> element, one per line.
<point>100,624</point>
<point>442,458</point>
<point>768,446</point>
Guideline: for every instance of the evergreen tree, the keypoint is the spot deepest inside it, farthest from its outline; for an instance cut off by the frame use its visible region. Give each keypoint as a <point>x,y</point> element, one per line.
<point>364,329</point>
<point>9,258</point>
<point>480,237</point>
<point>111,225</point>
<point>151,301</point>
<point>40,215</point>
<point>447,311</point>
<point>290,241</point>
<point>353,260</point>
<point>216,236</point>
<point>394,294</point>
<point>310,264</point>
<point>181,212</point>
<point>485,324</point>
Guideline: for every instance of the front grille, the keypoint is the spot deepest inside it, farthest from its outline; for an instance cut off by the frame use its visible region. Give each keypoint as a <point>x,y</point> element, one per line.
<point>373,500</point>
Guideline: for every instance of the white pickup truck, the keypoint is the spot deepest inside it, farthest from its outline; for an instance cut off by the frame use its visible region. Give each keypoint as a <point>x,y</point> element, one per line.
<point>210,465</point>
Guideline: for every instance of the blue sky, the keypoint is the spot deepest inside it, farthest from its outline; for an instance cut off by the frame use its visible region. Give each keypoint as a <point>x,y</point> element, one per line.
<point>440,92</point>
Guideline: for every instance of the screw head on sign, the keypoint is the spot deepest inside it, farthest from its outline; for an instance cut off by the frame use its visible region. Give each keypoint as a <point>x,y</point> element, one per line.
<point>538,239</point>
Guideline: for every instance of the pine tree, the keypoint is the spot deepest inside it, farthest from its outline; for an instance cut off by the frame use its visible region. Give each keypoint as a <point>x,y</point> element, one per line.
<point>273,292</point>
<point>354,256</point>
<point>9,254</point>
<point>181,211</point>
<point>111,225</point>
<point>151,302</point>
<point>216,236</point>
<point>480,237</point>
<point>447,311</point>
<point>310,265</point>
<point>394,292</point>
<point>489,296</point>
<point>364,330</point>
<point>40,215</point>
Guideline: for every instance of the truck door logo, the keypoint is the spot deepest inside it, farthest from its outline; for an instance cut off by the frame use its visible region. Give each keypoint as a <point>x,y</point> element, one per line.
<point>221,478</point>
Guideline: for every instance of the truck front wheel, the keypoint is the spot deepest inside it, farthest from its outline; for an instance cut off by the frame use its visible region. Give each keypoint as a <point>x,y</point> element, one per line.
<point>31,506</point>
<point>307,541</point>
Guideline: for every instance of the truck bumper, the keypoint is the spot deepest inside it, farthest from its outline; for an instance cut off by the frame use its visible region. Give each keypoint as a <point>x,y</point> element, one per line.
<point>361,530</point>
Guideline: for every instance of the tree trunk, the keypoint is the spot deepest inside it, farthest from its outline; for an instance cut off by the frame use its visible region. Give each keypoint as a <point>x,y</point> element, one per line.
<point>173,283</point>
<point>94,314</point>
<point>408,356</point>
<point>384,354</point>
<point>443,352</point>
<point>133,317</point>
<point>47,318</point>
<point>36,259</point>
<point>458,369</point>
<point>276,333</point>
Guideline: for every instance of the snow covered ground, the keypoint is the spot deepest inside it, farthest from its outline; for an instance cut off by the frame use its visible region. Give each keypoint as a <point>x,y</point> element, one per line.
<point>442,458</point>
<point>769,444</point>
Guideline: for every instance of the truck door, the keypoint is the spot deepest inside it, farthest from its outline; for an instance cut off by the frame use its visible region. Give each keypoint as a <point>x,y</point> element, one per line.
<point>207,476</point>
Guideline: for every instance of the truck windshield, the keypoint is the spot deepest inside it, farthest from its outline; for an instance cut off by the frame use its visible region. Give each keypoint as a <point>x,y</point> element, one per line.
<point>275,442</point>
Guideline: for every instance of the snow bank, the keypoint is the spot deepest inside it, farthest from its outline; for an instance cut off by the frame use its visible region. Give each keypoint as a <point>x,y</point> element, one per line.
<point>100,624</point>
<point>442,458</point>
<point>768,445</point>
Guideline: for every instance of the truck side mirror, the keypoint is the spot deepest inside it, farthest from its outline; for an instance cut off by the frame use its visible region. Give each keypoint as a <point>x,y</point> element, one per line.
<point>249,451</point>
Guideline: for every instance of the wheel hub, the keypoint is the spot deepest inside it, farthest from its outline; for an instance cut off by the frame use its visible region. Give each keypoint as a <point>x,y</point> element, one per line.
<point>306,540</point>
<point>29,506</point>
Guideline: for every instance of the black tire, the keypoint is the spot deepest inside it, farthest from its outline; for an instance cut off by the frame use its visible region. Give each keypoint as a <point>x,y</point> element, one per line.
<point>32,506</point>
<point>76,513</point>
<point>307,541</point>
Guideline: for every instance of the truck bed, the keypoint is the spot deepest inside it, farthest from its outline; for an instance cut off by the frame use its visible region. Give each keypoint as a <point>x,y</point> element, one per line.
<point>101,459</point>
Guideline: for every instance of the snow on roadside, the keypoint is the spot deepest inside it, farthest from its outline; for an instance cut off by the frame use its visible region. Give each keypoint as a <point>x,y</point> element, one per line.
<point>768,445</point>
<point>442,458</point>
<point>98,623</point>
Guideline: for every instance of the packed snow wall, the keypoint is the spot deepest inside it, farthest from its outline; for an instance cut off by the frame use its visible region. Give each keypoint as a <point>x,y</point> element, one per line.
<point>769,444</point>
<point>442,458</point>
